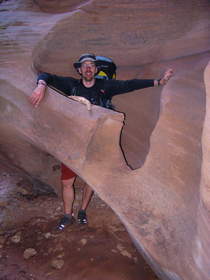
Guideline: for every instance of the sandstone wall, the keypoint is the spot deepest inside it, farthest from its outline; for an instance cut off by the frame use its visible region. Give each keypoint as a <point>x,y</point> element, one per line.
<point>165,202</point>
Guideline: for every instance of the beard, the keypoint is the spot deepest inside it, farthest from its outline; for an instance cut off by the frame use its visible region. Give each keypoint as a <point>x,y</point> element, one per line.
<point>88,77</point>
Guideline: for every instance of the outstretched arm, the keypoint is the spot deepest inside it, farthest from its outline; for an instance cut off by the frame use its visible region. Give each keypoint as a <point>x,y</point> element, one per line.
<point>114,87</point>
<point>62,84</point>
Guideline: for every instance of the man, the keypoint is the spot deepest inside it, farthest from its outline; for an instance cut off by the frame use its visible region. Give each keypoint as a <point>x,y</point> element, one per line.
<point>98,92</point>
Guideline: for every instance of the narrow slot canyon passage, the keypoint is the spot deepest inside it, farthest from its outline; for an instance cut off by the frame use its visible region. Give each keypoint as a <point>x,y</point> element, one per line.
<point>31,249</point>
<point>148,166</point>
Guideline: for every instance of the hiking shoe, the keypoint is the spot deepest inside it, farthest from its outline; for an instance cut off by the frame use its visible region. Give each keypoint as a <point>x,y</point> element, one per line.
<point>82,217</point>
<point>64,222</point>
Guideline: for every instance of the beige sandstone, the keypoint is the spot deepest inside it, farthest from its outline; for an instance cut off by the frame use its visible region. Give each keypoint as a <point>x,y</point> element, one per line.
<point>164,203</point>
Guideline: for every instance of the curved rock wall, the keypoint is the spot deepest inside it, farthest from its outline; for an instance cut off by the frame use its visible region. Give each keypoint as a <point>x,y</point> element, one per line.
<point>165,203</point>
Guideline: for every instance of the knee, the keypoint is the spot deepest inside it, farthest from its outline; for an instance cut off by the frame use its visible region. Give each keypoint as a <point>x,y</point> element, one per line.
<point>68,184</point>
<point>88,188</point>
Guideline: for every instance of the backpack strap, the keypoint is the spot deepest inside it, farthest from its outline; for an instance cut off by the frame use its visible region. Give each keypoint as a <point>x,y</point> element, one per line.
<point>104,101</point>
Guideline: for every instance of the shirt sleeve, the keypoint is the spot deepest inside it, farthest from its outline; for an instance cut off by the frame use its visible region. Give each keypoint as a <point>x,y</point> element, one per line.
<point>64,84</point>
<point>114,87</point>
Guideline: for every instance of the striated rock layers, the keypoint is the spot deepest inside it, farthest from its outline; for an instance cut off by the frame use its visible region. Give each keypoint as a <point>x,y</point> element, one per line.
<point>165,202</point>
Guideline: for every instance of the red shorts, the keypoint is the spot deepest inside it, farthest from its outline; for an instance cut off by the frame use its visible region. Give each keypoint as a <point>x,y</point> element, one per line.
<point>66,173</point>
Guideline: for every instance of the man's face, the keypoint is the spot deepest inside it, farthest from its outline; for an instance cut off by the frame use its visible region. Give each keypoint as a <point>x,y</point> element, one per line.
<point>88,70</point>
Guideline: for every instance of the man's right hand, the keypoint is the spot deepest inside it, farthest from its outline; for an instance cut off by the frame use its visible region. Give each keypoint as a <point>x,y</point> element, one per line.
<point>38,95</point>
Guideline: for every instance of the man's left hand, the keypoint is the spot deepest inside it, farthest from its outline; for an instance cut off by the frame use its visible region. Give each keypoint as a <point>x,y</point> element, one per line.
<point>166,77</point>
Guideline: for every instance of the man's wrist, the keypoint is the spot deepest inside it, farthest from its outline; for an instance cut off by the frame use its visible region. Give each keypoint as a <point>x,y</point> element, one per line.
<point>42,83</point>
<point>156,83</point>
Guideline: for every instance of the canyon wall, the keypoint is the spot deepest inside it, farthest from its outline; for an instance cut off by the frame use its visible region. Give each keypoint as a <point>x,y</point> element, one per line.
<point>160,190</point>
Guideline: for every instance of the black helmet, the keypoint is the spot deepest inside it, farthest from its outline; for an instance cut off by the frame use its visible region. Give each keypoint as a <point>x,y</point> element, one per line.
<point>84,57</point>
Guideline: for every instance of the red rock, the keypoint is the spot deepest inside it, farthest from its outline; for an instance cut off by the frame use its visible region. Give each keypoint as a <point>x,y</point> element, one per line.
<point>165,203</point>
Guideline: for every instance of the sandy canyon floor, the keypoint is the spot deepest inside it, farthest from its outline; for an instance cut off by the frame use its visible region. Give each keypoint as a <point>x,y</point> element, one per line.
<point>30,248</point>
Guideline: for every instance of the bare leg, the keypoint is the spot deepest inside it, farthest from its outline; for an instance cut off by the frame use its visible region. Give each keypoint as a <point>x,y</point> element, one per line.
<point>87,194</point>
<point>68,195</point>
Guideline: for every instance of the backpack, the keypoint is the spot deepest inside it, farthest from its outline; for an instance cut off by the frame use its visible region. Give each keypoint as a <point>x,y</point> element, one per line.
<point>107,71</point>
<point>107,68</point>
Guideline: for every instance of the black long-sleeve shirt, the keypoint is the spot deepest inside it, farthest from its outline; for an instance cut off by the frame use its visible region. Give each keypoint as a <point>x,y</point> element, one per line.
<point>100,92</point>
